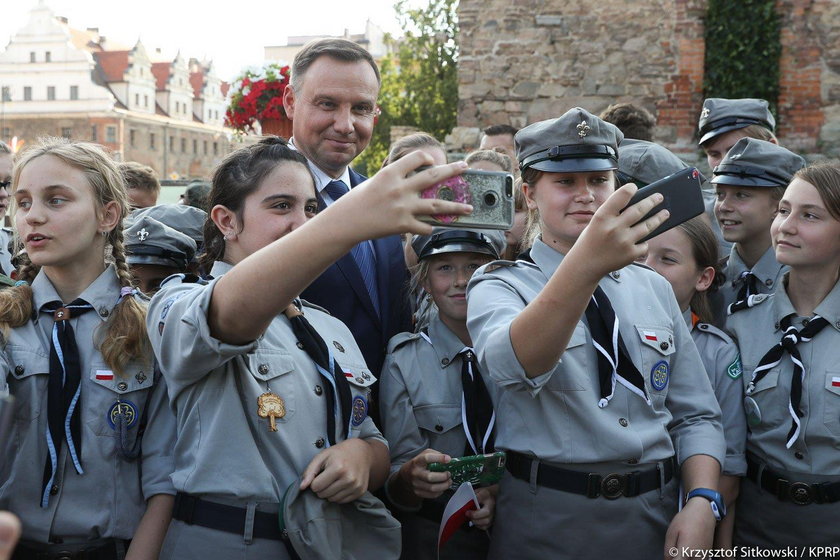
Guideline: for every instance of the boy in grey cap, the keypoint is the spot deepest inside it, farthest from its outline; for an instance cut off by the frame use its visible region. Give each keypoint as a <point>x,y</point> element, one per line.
<point>749,183</point>
<point>601,391</point>
<point>155,251</point>
<point>725,121</point>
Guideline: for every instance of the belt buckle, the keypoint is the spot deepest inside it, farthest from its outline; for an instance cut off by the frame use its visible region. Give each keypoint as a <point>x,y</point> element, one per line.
<point>64,555</point>
<point>800,493</point>
<point>612,485</point>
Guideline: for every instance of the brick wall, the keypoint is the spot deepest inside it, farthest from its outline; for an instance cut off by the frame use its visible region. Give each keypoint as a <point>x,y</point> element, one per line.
<point>528,60</point>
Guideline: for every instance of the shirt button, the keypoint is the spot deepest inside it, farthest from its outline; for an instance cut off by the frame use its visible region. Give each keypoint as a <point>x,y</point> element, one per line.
<point>798,455</point>
<point>664,345</point>
<point>318,390</point>
<point>623,422</point>
<point>338,346</point>
<point>359,380</point>
<point>704,326</point>
<point>319,443</point>
<point>768,283</point>
<point>262,368</point>
<point>122,385</point>
<point>438,428</point>
<point>103,312</point>
<point>54,489</point>
<point>300,345</point>
<point>444,362</point>
<point>616,275</point>
<point>19,369</point>
<point>632,461</point>
<point>837,324</point>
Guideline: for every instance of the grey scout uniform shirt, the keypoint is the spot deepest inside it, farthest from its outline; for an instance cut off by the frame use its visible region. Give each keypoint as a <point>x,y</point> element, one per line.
<point>555,416</point>
<point>420,394</point>
<point>5,256</point>
<point>224,449</point>
<point>109,499</point>
<point>723,365</point>
<point>767,269</point>
<point>757,330</point>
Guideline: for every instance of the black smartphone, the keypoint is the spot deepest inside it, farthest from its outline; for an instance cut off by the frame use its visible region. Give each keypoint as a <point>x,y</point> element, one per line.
<point>683,199</point>
<point>489,192</point>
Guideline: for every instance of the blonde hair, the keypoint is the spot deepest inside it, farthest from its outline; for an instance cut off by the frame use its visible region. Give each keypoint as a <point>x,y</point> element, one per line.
<point>411,143</point>
<point>125,335</point>
<point>496,156</point>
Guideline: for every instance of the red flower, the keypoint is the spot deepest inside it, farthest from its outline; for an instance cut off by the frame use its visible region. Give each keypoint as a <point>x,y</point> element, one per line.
<point>257,96</point>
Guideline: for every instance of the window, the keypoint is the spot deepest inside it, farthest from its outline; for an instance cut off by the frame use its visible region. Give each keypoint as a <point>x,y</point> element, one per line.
<point>195,146</point>
<point>74,92</point>
<point>111,134</point>
<point>171,143</point>
<point>48,56</point>
<point>152,141</point>
<point>6,132</point>
<point>51,93</point>
<point>137,99</point>
<point>145,101</point>
<point>7,93</point>
<point>205,147</point>
<point>31,56</point>
<point>94,136</point>
<point>132,136</point>
<point>27,93</point>
<point>183,145</point>
<point>177,106</point>
<point>215,148</point>
<point>65,132</point>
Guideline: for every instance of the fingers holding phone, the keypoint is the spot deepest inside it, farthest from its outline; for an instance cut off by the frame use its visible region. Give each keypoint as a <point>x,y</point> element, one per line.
<point>423,482</point>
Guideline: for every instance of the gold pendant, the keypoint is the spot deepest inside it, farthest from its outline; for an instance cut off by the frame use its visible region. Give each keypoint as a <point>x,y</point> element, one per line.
<point>271,406</point>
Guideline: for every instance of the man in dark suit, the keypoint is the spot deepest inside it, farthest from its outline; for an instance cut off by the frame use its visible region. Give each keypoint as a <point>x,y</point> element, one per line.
<point>331,100</point>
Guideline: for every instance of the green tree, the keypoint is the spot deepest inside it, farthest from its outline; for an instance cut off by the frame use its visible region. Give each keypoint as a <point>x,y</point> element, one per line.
<point>420,78</point>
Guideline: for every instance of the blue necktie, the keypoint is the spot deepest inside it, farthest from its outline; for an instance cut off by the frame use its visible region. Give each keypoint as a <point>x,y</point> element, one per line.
<point>362,253</point>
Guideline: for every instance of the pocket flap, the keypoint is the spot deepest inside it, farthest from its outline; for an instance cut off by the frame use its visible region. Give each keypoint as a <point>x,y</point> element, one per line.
<point>25,362</point>
<point>767,382</point>
<point>578,337</point>
<point>438,418</point>
<point>359,376</point>
<point>267,363</point>
<point>832,382</point>
<point>658,338</point>
<point>135,377</point>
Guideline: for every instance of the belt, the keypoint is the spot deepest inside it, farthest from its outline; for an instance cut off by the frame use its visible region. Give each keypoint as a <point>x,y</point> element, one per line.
<point>800,493</point>
<point>221,517</point>
<point>591,485</point>
<point>102,549</point>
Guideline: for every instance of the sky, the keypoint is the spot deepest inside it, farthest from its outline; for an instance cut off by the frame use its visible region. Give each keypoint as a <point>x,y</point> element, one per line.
<point>232,33</point>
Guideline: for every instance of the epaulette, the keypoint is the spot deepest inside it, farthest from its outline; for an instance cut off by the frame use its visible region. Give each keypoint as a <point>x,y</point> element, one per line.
<point>185,278</point>
<point>401,339</point>
<point>711,329</point>
<point>495,265</point>
<point>642,265</point>
<point>305,303</point>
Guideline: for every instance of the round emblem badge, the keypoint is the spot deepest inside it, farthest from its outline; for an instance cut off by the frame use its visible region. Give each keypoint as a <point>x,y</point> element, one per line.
<point>360,411</point>
<point>127,409</point>
<point>659,375</point>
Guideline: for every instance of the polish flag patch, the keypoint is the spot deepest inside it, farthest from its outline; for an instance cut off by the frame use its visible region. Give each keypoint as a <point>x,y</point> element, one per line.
<point>835,381</point>
<point>104,375</point>
<point>650,335</point>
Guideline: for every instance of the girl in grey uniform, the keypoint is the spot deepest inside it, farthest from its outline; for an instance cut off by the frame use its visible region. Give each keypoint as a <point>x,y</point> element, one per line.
<point>687,257</point>
<point>789,346</point>
<point>601,387</point>
<point>6,165</point>
<point>76,359</point>
<point>270,391</point>
<point>435,404</point>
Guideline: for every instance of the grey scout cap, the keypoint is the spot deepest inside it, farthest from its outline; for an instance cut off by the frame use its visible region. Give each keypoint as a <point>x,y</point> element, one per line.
<point>322,530</point>
<point>756,163</point>
<point>442,240</point>
<point>186,219</point>
<point>643,163</point>
<point>722,115</point>
<point>148,241</point>
<point>576,142</point>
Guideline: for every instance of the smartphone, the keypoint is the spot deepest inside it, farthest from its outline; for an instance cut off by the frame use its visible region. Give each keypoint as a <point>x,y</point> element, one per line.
<point>489,192</point>
<point>480,470</point>
<point>683,199</point>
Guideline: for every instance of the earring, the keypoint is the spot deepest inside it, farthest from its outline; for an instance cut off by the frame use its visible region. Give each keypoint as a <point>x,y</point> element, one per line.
<point>104,234</point>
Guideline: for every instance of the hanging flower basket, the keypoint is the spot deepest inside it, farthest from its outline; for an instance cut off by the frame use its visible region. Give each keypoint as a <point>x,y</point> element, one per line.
<point>257,97</point>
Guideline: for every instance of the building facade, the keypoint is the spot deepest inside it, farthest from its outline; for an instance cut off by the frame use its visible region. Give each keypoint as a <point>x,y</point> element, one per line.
<point>61,81</point>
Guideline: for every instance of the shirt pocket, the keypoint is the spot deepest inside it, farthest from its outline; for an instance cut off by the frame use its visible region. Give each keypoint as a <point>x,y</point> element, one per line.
<point>566,378</point>
<point>771,405</point>
<point>438,419</point>
<point>30,371</point>
<point>269,367</point>
<point>657,346</point>
<point>109,394</point>
<point>831,407</point>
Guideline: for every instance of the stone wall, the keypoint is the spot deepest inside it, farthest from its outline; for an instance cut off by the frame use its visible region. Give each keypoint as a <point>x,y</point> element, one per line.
<point>527,60</point>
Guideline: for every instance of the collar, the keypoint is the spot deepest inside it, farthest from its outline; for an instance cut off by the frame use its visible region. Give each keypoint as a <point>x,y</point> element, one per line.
<point>766,269</point>
<point>829,308</point>
<point>549,260</point>
<point>321,178</point>
<point>446,344</point>
<point>689,320</point>
<point>219,268</point>
<point>103,293</point>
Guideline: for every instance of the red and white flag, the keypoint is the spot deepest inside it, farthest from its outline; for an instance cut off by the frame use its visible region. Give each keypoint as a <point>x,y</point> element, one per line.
<point>104,375</point>
<point>835,381</point>
<point>650,335</point>
<point>455,512</point>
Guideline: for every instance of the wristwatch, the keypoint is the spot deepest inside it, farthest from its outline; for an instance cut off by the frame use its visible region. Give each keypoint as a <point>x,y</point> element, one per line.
<point>715,500</point>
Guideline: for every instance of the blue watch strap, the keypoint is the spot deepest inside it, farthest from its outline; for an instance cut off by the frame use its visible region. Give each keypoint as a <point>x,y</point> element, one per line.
<point>715,500</point>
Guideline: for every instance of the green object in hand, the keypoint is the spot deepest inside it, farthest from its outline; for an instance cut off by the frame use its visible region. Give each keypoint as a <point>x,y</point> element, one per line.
<point>480,470</point>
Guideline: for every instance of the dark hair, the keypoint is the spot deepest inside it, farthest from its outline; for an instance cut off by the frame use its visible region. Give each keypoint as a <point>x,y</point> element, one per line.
<point>236,177</point>
<point>410,143</point>
<point>704,251</point>
<point>139,176</point>
<point>338,49</point>
<point>825,177</point>
<point>499,129</point>
<point>634,121</point>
